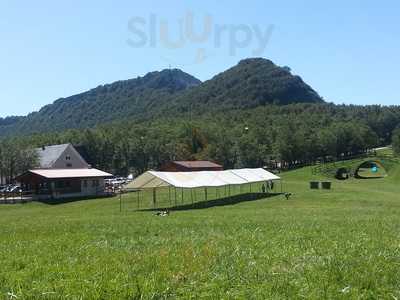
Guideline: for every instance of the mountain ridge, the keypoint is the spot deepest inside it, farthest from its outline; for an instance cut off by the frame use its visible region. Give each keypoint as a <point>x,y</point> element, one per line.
<point>105,103</point>
<point>252,82</point>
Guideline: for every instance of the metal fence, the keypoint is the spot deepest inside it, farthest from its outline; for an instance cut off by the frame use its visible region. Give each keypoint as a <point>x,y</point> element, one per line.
<point>16,197</point>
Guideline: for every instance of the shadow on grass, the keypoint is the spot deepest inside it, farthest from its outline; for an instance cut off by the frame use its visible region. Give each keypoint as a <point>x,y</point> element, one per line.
<point>71,200</point>
<point>369,178</point>
<point>216,202</point>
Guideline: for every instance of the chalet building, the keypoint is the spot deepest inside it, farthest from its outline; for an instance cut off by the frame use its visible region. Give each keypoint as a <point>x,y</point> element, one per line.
<point>60,157</point>
<point>63,173</point>
<point>190,166</point>
<point>64,183</point>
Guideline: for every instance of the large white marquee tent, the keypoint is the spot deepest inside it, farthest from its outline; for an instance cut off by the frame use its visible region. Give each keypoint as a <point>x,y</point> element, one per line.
<point>201,179</point>
<point>154,180</point>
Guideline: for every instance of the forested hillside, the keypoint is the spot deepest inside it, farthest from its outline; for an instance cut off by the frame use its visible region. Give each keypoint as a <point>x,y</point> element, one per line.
<point>252,83</point>
<point>134,98</point>
<point>247,116</point>
<point>293,134</point>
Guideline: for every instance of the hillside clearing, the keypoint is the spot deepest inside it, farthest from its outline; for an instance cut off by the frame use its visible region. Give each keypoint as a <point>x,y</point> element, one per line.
<point>318,244</point>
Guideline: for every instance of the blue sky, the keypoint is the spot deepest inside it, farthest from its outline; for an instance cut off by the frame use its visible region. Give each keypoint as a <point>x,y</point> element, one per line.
<point>347,50</point>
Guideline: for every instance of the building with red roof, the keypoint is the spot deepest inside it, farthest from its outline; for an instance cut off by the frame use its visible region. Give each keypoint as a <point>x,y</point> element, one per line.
<point>190,166</point>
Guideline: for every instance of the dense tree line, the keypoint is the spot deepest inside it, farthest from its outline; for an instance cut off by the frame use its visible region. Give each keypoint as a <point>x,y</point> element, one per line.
<point>16,156</point>
<point>396,141</point>
<point>292,135</point>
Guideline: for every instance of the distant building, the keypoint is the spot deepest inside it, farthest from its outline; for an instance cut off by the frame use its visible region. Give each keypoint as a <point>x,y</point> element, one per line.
<point>63,183</point>
<point>190,166</point>
<point>60,157</point>
<point>62,173</point>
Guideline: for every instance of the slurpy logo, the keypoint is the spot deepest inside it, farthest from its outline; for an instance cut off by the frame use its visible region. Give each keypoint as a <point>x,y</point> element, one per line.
<point>158,32</point>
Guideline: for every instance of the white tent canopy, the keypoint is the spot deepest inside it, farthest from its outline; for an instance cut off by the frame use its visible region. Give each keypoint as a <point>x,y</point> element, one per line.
<point>153,179</point>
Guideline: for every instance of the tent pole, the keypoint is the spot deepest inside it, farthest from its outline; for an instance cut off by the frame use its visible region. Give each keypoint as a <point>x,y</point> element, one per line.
<point>229,190</point>
<point>205,194</point>
<point>154,198</point>
<point>175,195</point>
<point>281,186</point>
<point>138,194</point>
<point>191,195</point>
<point>182,196</point>
<point>169,195</point>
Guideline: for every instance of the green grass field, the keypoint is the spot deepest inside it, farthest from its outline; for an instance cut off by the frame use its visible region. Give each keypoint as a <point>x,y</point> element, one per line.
<point>338,244</point>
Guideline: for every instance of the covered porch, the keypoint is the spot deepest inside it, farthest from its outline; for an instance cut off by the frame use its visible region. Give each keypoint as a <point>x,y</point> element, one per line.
<point>63,183</point>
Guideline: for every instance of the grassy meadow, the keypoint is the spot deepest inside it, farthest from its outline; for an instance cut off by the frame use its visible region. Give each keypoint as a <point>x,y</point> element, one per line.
<point>337,244</point>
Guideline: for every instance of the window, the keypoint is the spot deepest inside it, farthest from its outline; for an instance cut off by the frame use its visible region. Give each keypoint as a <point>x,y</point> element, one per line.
<point>68,157</point>
<point>85,183</point>
<point>68,165</point>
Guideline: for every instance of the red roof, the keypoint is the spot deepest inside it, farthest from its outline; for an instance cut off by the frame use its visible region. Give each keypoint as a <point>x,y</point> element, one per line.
<point>198,164</point>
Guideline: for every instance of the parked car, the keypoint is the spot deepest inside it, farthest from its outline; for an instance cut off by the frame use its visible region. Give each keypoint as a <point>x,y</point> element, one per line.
<point>7,188</point>
<point>116,182</point>
<point>10,188</point>
<point>15,189</point>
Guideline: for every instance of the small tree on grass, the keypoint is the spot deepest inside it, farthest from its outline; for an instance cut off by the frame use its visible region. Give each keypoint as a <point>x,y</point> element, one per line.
<point>396,141</point>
